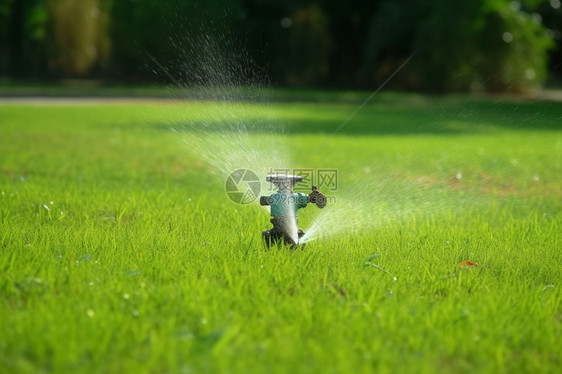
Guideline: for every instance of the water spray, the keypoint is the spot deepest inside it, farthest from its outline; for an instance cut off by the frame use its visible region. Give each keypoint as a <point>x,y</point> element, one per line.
<point>284,206</point>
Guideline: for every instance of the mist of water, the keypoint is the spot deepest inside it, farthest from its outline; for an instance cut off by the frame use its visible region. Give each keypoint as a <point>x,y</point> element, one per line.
<point>374,202</point>
<point>232,136</point>
<point>224,83</point>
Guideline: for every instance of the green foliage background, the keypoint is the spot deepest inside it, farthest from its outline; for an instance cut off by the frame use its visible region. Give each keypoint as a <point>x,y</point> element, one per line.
<point>491,45</point>
<point>120,251</point>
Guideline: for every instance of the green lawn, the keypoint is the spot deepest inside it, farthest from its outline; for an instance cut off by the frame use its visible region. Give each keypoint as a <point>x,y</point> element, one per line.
<point>120,251</point>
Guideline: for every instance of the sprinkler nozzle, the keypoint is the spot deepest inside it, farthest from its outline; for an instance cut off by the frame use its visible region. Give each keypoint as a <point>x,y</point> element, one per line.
<point>284,182</point>
<point>317,197</point>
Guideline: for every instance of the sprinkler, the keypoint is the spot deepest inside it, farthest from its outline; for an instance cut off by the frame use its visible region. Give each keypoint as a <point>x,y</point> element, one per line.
<point>284,207</point>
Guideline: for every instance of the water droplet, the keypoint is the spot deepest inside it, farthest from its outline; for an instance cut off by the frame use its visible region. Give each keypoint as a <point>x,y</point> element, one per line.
<point>507,37</point>
<point>286,22</point>
<point>459,175</point>
<point>536,178</point>
<point>126,296</point>
<point>530,74</point>
<point>555,4</point>
<point>90,313</point>
<point>46,207</point>
<point>91,283</point>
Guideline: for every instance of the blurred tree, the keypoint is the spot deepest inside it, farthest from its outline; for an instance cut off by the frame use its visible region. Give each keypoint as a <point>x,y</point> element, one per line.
<point>23,25</point>
<point>309,44</point>
<point>174,33</point>
<point>494,45</point>
<point>80,39</point>
<point>515,47</point>
<point>349,22</point>
<point>5,42</point>
<point>551,14</point>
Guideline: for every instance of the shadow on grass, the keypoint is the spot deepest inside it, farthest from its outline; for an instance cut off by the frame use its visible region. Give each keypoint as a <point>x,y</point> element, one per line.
<point>432,116</point>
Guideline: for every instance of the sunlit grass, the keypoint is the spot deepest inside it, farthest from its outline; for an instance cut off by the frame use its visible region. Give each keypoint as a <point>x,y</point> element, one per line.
<point>121,252</point>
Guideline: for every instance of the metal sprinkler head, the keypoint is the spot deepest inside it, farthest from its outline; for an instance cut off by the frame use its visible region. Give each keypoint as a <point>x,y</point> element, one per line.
<point>284,205</point>
<point>284,182</point>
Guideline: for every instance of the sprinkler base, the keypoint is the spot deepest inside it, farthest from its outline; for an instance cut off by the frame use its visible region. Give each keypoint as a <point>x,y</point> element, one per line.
<point>278,236</point>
